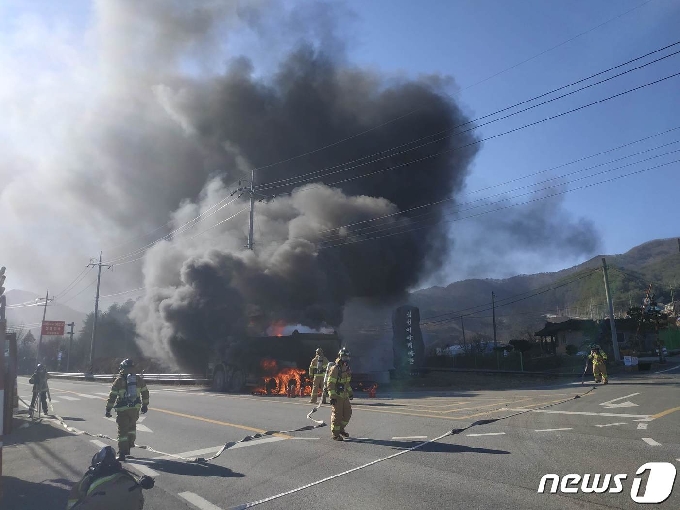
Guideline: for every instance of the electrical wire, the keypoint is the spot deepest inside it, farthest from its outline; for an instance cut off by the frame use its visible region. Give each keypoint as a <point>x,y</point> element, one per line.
<point>294,180</point>
<point>559,177</point>
<point>538,199</point>
<point>75,283</point>
<point>121,293</point>
<point>81,291</point>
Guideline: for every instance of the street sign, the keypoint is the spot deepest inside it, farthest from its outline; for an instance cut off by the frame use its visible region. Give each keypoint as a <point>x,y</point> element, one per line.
<point>54,328</point>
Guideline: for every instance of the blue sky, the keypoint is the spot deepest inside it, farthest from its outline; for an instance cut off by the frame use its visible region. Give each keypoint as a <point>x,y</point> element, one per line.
<point>471,41</point>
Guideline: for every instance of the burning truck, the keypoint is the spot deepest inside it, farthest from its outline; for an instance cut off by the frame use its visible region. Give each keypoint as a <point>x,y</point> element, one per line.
<point>269,364</point>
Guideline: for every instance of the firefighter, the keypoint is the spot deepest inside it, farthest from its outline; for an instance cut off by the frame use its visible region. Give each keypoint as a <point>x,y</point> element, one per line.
<point>598,358</point>
<point>106,484</point>
<point>40,389</point>
<point>317,371</point>
<point>324,392</point>
<point>128,393</point>
<point>340,391</point>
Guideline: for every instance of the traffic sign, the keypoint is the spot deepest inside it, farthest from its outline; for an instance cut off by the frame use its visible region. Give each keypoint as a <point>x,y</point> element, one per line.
<point>54,328</point>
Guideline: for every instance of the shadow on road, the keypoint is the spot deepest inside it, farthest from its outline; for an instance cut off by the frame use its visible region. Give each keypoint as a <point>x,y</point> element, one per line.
<point>188,469</point>
<point>428,448</point>
<point>36,431</point>
<point>22,495</point>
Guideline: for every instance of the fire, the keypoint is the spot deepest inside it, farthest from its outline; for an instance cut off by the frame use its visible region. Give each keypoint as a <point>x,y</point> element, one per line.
<point>278,383</point>
<point>269,365</point>
<point>277,328</point>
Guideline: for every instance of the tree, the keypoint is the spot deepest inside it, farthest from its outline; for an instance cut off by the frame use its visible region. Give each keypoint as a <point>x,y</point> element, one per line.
<point>522,346</point>
<point>649,318</point>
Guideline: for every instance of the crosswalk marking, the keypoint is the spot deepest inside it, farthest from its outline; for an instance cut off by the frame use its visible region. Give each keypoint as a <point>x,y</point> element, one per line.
<point>68,398</point>
<point>642,426</point>
<point>143,469</point>
<point>102,394</point>
<point>198,501</point>
<point>215,449</point>
<point>650,441</point>
<point>143,428</point>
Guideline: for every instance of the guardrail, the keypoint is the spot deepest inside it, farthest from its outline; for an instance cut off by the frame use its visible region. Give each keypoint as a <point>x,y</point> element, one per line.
<point>189,379</point>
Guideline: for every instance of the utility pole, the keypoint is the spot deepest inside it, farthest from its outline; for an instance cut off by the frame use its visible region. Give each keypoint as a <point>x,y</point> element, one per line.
<point>462,325</point>
<point>3,326</point>
<point>252,209</point>
<point>96,307</point>
<point>612,322</point>
<point>47,300</point>
<point>70,342</point>
<point>493,302</point>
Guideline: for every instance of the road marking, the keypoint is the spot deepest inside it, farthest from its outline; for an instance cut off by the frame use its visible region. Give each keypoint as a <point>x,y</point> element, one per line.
<point>143,428</point>
<point>215,449</point>
<point>214,422</point>
<point>102,394</point>
<point>408,437</point>
<point>642,426</point>
<point>84,395</point>
<point>650,441</point>
<point>581,413</point>
<point>662,371</point>
<point>617,399</point>
<point>553,430</point>
<point>98,443</point>
<point>664,413</point>
<point>198,501</point>
<point>611,424</point>
<point>143,469</point>
<point>141,419</point>
<point>69,398</point>
<point>54,402</point>
<point>487,434</point>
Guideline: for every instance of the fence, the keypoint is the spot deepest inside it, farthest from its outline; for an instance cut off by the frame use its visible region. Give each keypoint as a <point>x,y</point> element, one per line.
<point>512,362</point>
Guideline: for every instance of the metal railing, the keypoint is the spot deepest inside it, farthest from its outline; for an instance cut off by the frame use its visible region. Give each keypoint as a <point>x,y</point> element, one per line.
<point>149,378</point>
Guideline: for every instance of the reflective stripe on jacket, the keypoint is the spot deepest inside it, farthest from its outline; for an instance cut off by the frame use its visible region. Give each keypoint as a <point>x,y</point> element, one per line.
<point>339,382</point>
<point>598,359</point>
<point>118,399</point>
<point>313,366</point>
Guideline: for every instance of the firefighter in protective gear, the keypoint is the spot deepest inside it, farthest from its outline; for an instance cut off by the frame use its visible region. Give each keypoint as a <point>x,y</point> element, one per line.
<point>340,392</point>
<point>317,371</point>
<point>598,358</point>
<point>40,389</point>
<point>329,369</point>
<point>107,485</point>
<point>128,394</point>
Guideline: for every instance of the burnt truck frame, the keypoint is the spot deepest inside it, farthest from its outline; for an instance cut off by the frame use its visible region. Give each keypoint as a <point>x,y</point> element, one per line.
<point>242,368</point>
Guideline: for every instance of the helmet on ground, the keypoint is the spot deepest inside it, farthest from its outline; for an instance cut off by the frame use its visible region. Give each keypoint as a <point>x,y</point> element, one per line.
<point>319,351</point>
<point>126,365</point>
<point>104,457</point>
<point>40,368</point>
<point>344,354</point>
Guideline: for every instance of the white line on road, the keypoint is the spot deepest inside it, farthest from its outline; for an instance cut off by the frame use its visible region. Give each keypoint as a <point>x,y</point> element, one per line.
<point>143,469</point>
<point>662,371</point>
<point>582,413</point>
<point>85,395</point>
<point>198,501</point>
<point>616,399</point>
<point>611,424</point>
<point>143,428</point>
<point>650,441</point>
<point>487,434</point>
<point>642,426</point>
<point>553,430</point>
<point>98,443</point>
<point>102,394</point>
<point>215,449</point>
<point>68,398</point>
<point>408,437</point>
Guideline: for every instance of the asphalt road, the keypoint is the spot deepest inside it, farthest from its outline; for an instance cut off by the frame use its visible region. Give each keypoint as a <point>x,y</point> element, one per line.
<point>611,429</point>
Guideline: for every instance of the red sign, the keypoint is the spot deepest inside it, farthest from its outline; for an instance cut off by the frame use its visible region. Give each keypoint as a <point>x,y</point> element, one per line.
<point>55,328</point>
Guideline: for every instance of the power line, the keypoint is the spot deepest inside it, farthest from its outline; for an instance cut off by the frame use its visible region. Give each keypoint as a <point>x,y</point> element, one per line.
<point>121,293</point>
<point>81,291</point>
<point>556,46</point>
<point>338,168</point>
<point>538,199</point>
<point>74,283</point>
<point>559,177</point>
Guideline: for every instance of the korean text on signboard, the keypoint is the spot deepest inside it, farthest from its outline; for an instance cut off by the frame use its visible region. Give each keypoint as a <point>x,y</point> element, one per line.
<point>55,328</point>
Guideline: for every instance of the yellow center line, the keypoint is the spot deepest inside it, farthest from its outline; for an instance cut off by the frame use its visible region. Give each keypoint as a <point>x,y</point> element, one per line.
<point>198,418</point>
<point>482,407</point>
<point>664,413</point>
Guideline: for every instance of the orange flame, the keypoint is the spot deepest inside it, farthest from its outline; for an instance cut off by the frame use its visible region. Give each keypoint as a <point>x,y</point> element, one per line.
<point>276,329</point>
<point>269,365</point>
<point>278,384</point>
